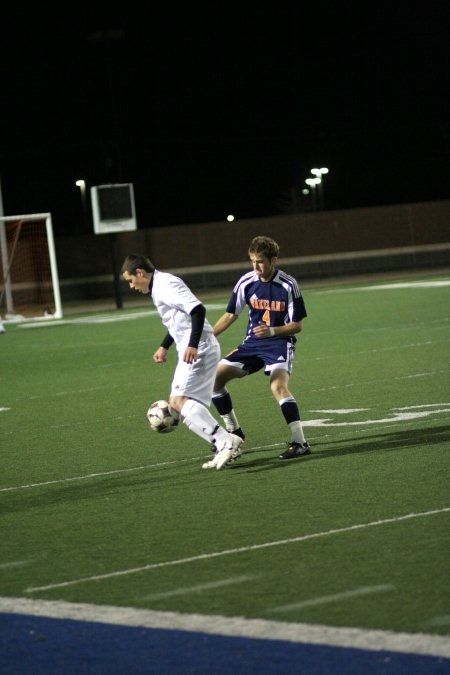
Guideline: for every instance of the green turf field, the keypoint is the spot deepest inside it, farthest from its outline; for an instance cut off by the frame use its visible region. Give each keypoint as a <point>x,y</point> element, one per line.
<point>96,508</point>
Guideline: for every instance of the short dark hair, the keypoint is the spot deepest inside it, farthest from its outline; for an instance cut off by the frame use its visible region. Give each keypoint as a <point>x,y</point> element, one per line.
<point>265,246</point>
<point>136,261</point>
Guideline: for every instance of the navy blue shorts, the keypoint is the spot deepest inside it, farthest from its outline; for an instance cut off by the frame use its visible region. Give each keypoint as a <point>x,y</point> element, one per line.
<point>265,353</point>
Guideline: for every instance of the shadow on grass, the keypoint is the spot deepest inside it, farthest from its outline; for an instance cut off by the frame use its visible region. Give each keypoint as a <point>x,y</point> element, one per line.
<point>115,487</point>
<point>251,461</point>
<point>369,443</point>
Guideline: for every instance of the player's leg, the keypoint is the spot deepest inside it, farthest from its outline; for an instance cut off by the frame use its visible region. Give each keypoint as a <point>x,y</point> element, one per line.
<point>221,396</point>
<point>279,385</point>
<point>191,392</point>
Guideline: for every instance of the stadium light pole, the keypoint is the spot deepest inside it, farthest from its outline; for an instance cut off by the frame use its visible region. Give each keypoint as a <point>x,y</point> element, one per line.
<point>313,183</point>
<point>82,185</point>
<point>318,173</point>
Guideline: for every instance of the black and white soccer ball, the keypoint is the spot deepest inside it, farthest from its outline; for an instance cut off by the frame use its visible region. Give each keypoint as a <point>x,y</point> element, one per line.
<point>162,418</point>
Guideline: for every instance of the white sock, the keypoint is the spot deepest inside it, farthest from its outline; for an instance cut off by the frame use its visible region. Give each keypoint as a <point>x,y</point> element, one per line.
<point>198,419</point>
<point>193,427</point>
<point>231,421</point>
<point>297,432</point>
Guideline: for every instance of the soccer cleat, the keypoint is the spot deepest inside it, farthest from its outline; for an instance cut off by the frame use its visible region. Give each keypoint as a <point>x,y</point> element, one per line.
<point>219,460</point>
<point>211,464</point>
<point>296,450</point>
<point>236,432</point>
<point>229,451</point>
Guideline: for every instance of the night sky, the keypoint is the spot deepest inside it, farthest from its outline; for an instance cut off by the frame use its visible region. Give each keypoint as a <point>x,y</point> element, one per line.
<point>217,108</point>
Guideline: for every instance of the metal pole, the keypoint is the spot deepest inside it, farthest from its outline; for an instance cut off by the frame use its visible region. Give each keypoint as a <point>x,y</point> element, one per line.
<point>4,250</point>
<point>117,289</point>
<point>53,268</point>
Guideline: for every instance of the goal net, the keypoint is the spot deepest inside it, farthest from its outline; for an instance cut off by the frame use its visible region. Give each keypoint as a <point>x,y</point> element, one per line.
<point>29,285</point>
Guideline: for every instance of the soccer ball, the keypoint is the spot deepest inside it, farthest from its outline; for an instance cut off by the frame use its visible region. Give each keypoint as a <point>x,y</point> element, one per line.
<point>162,418</point>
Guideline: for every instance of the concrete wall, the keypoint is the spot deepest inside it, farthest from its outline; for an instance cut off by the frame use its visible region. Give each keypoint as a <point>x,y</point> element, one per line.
<point>209,255</point>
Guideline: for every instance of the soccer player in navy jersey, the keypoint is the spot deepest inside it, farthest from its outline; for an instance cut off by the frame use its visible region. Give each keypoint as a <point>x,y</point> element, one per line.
<point>184,317</point>
<point>275,314</point>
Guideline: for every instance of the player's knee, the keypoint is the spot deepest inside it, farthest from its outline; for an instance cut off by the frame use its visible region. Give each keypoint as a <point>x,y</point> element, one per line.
<point>177,402</point>
<point>279,390</point>
<point>223,375</point>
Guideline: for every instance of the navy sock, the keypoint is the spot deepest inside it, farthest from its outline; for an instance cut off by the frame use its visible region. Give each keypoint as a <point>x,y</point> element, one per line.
<point>223,402</point>
<point>290,410</point>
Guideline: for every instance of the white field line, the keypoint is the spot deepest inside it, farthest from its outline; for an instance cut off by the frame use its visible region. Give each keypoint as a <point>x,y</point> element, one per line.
<point>102,318</point>
<point>379,350</point>
<point>439,620</point>
<point>113,472</point>
<point>199,588</point>
<point>393,417</point>
<point>15,563</point>
<point>389,287</point>
<point>336,597</point>
<point>259,629</point>
<point>429,373</point>
<point>234,551</point>
<point>257,448</point>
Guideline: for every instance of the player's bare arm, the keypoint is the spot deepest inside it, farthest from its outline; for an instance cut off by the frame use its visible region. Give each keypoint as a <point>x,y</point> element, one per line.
<point>224,322</point>
<point>160,356</point>
<point>262,330</point>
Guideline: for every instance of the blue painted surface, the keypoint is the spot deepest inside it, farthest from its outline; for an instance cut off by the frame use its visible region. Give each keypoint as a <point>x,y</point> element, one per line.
<point>42,646</point>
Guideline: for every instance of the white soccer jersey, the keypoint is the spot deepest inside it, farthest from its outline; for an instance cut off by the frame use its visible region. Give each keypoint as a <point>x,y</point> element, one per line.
<point>174,302</point>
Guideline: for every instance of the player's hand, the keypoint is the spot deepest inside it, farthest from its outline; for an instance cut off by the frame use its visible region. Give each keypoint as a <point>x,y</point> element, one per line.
<point>262,330</point>
<point>160,356</point>
<point>190,355</point>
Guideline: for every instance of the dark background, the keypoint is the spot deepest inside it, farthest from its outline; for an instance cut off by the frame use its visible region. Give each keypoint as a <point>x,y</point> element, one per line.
<point>218,108</point>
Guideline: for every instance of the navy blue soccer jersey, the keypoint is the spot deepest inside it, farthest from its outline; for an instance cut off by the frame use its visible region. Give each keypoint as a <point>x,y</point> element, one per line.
<point>275,302</point>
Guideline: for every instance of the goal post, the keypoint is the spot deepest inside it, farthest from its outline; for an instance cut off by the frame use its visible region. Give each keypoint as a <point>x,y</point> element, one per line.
<point>29,283</point>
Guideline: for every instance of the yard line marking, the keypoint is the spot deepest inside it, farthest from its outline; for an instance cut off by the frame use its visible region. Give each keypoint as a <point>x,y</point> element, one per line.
<point>15,563</point>
<point>439,621</point>
<point>112,472</point>
<point>339,411</point>
<point>393,417</point>
<point>429,373</point>
<point>378,350</point>
<point>356,638</point>
<point>91,475</point>
<point>418,405</point>
<point>200,587</point>
<point>100,318</point>
<point>255,448</point>
<point>232,551</point>
<point>85,390</point>
<point>336,597</point>
<point>389,287</point>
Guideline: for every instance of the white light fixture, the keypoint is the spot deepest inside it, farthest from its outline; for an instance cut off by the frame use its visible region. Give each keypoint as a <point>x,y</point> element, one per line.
<point>319,172</point>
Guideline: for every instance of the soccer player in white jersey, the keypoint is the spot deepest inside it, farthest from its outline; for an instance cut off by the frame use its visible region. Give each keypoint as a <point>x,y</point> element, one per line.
<point>275,313</point>
<point>184,317</point>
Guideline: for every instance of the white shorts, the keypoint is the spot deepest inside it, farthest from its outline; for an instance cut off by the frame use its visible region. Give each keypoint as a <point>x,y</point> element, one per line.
<point>196,380</point>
